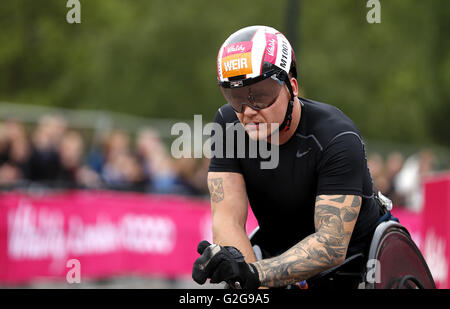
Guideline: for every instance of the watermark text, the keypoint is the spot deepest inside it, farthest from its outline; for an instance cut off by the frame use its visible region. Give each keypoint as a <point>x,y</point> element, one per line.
<point>74,14</point>
<point>374,14</point>
<point>229,141</point>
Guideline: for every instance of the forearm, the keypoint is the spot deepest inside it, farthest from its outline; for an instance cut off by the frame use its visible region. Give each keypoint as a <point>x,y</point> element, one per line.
<point>229,206</point>
<point>334,218</point>
<point>312,255</point>
<point>236,236</point>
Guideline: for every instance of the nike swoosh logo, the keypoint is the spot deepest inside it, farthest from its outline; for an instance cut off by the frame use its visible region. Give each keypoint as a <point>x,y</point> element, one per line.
<point>301,154</point>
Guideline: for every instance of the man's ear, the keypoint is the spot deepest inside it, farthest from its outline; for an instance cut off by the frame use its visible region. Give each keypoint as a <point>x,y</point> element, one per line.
<point>294,85</point>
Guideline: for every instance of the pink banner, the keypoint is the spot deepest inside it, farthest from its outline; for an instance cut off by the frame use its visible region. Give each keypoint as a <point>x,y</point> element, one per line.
<point>412,221</point>
<point>430,228</point>
<point>109,233</point>
<point>116,233</point>
<point>436,228</point>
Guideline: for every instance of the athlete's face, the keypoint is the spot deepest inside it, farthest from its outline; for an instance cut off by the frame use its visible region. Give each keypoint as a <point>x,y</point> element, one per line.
<point>260,124</point>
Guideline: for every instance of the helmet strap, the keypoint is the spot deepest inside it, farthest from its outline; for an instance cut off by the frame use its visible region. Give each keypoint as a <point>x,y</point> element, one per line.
<point>286,125</point>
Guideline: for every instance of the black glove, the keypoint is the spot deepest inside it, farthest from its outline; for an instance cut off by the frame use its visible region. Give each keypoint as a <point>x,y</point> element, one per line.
<point>224,264</point>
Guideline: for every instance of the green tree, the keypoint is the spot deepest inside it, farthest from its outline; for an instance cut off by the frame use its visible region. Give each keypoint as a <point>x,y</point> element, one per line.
<point>158,58</point>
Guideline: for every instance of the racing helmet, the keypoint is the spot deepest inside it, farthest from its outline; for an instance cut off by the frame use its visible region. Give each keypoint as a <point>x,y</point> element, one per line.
<point>255,54</point>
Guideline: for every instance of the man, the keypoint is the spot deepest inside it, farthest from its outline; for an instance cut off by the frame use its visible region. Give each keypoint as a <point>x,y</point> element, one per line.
<point>316,206</point>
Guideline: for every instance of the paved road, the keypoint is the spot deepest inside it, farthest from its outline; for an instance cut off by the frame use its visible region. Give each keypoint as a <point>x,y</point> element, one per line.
<point>121,283</point>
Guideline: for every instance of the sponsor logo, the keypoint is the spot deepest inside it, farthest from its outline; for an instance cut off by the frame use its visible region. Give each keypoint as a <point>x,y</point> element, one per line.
<point>304,153</point>
<point>284,54</point>
<point>38,233</point>
<point>237,48</point>
<point>271,48</point>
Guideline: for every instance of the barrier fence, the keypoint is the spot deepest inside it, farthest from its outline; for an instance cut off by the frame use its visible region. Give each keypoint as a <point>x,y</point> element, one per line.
<point>109,233</point>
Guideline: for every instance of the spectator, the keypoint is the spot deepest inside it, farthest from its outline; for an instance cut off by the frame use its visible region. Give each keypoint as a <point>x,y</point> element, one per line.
<point>199,178</point>
<point>376,166</point>
<point>394,164</point>
<point>14,153</point>
<point>9,175</point>
<point>192,176</point>
<point>409,181</point>
<point>187,170</point>
<point>111,144</point>
<point>73,172</point>
<point>123,171</point>
<point>122,168</point>
<point>158,166</point>
<point>115,146</point>
<point>44,160</point>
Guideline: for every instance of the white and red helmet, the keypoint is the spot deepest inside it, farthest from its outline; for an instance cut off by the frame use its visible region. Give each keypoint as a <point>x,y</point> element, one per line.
<point>252,54</point>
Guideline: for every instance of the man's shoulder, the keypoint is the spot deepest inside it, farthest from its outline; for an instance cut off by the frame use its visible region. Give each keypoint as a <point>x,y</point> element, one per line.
<point>225,114</point>
<point>325,122</point>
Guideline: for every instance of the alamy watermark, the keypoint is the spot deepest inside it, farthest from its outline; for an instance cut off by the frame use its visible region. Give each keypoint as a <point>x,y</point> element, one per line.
<point>74,14</point>
<point>224,142</point>
<point>74,273</point>
<point>373,274</point>
<point>374,14</point>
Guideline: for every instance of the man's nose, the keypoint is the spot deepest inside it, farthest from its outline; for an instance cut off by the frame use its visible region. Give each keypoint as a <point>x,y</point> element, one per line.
<point>249,112</point>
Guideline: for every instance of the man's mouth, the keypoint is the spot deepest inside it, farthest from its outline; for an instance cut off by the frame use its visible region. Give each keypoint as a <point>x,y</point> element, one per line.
<point>252,125</point>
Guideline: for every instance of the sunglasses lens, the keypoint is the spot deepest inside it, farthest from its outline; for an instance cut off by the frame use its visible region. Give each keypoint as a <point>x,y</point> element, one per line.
<point>258,96</point>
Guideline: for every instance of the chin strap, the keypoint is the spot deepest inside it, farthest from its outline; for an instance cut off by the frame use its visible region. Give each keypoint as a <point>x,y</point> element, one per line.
<point>285,126</point>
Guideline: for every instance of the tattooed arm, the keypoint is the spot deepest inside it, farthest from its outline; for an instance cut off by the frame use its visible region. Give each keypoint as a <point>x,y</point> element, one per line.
<point>229,207</point>
<point>334,219</point>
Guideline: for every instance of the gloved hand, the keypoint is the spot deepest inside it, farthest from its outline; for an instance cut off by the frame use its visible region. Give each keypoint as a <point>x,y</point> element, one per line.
<point>224,264</point>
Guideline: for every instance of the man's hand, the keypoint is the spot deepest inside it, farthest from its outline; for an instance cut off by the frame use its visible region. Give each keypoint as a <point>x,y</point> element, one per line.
<point>224,264</point>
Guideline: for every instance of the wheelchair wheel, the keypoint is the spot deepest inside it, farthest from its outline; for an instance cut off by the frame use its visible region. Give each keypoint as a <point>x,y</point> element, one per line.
<point>397,262</point>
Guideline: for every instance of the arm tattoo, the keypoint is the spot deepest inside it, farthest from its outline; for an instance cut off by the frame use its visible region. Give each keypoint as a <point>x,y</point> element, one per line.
<point>215,186</point>
<point>334,219</point>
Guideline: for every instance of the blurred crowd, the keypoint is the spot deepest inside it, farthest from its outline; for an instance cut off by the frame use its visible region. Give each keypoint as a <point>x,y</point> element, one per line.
<point>400,178</point>
<point>52,154</point>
